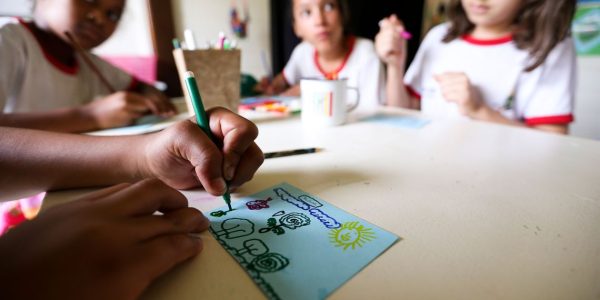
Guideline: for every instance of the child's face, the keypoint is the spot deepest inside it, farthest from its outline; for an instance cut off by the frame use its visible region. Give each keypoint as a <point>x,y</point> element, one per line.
<point>91,22</point>
<point>318,22</point>
<point>492,13</point>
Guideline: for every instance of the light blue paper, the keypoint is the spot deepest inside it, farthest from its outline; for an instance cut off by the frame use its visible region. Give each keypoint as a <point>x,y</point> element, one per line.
<point>399,121</point>
<point>297,246</point>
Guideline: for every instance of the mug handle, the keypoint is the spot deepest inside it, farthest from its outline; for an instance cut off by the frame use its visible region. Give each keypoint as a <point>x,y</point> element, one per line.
<point>355,105</point>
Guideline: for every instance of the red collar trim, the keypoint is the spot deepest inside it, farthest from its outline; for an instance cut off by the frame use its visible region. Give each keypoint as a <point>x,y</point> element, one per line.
<point>70,70</point>
<point>492,42</point>
<point>334,75</point>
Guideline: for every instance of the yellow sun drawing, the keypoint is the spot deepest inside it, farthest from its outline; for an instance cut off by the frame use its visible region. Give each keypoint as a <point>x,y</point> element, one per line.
<point>351,234</point>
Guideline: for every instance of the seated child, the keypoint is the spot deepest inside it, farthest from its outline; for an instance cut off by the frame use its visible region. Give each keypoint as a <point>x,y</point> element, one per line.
<point>329,51</point>
<point>46,84</point>
<point>509,62</point>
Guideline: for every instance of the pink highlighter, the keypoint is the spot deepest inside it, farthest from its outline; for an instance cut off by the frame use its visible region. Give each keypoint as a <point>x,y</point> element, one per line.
<point>406,35</point>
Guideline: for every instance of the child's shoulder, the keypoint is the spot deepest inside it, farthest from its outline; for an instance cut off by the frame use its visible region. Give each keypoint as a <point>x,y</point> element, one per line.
<point>364,47</point>
<point>11,31</point>
<point>9,23</point>
<point>11,27</point>
<point>438,32</point>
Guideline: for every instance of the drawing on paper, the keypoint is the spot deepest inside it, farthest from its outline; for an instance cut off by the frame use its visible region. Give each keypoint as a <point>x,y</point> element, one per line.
<point>309,204</point>
<point>255,257</point>
<point>234,228</point>
<point>351,234</point>
<point>282,236</point>
<point>289,221</point>
<point>220,213</point>
<point>258,204</point>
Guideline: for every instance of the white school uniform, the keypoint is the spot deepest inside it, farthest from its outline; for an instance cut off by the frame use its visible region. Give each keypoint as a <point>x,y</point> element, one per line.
<point>497,69</point>
<point>31,80</point>
<point>362,69</point>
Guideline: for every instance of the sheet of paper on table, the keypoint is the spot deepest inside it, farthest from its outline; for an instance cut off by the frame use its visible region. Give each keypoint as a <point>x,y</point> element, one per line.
<point>295,245</point>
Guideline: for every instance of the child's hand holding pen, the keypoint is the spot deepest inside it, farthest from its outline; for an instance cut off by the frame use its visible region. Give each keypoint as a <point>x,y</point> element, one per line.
<point>123,108</point>
<point>184,157</point>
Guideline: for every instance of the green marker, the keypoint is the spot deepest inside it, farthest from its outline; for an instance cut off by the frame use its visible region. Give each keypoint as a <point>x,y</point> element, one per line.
<point>201,118</point>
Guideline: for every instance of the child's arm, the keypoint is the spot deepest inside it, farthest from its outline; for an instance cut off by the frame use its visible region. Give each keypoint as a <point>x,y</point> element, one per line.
<point>182,156</point>
<point>275,87</point>
<point>110,238</point>
<point>457,88</point>
<point>391,48</point>
<point>115,110</point>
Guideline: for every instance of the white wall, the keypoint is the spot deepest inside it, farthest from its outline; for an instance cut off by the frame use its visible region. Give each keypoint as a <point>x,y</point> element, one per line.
<point>207,17</point>
<point>587,110</point>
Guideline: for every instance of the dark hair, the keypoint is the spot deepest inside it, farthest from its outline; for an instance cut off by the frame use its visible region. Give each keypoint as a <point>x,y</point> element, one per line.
<point>344,9</point>
<point>540,25</point>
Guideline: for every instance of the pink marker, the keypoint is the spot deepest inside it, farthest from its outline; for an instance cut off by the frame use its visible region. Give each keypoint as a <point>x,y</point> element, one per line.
<point>406,35</point>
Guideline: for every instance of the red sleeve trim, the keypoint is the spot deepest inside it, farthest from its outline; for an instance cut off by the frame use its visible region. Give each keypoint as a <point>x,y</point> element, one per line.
<point>67,69</point>
<point>133,84</point>
<point>412,92</point>
<point>550,120</point>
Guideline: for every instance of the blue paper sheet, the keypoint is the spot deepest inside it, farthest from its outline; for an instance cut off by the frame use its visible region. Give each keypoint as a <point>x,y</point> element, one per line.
<point>399,121</point>
<point>297,246</point>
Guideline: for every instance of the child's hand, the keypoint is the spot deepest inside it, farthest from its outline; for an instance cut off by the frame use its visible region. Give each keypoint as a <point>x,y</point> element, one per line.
<point>119,109</point>
<point>164,107</point>
<point>264,87</point>
<point>390,46</point>
<point>457,88</point>
<point>184,157</point>
<point>107,245</point>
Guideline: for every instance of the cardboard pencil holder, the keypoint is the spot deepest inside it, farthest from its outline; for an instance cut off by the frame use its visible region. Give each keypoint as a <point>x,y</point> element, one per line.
<point>217,74</point>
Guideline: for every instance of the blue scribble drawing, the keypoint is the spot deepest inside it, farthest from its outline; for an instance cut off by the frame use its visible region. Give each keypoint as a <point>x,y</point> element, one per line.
<point>309,204</point>
<point>324,218</point>
<point>285,196</point>
<point>312,202</point>
<point>289,221</point>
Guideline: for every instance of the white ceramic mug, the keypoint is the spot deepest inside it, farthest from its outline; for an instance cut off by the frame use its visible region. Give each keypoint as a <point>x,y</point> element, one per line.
<point>325,102</point>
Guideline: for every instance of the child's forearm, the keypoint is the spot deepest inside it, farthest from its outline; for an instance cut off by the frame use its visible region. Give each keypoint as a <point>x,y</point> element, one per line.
<point>33,161</point>
<point>485,113</point>
<point>59,120</point>
<point>279,84</point>
<point>396,92</point>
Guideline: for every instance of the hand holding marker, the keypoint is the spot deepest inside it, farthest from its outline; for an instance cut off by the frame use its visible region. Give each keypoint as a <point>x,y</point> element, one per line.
<point>403,34</point>
<point>202,118</point>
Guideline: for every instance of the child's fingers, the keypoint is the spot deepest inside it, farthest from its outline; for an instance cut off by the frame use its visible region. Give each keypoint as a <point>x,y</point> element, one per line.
<point>162,103</point>
<point>248,165</point>
<point>135,103</point>
<point>185,220</point>
<point>237,133</point>
<point>146,197</point>
<point>93,196</point>
<point>161,254</point>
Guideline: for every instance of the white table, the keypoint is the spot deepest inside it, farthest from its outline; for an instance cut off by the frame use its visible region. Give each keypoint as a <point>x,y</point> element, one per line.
<point>484,211</point>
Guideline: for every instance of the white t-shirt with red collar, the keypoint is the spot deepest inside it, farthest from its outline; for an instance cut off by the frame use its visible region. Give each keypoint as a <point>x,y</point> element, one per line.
<point>496,68</point>
<point>31,80</point>
<point>361,67</point>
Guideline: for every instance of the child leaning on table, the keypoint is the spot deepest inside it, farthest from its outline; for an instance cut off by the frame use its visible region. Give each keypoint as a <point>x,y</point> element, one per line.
<point>329,51</point>
<point>46,84</point>
<point>503,61</point>
<point>110,244</point>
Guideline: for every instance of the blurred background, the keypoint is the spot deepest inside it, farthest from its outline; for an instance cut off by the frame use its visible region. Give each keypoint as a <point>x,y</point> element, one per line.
<point>143,46</point>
